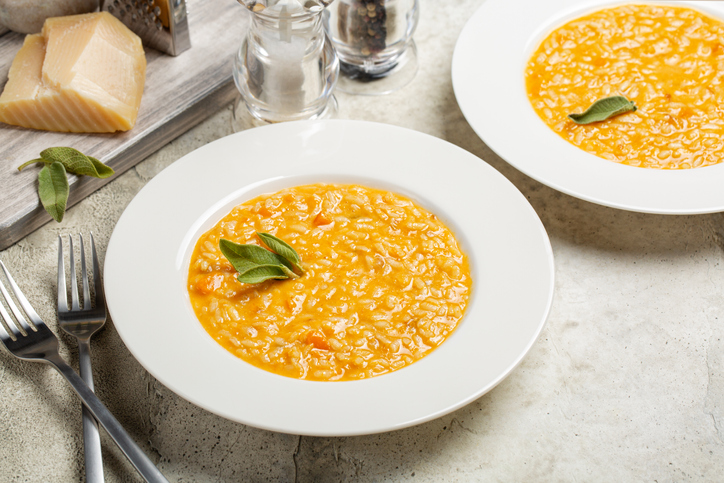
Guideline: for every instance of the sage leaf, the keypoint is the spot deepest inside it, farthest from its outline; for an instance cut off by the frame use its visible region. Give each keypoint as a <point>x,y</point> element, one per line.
<point>282,248</point>
<point>53,189</point>
<point>262,273</point>
<point>604,109</point>
<point>103,170</point>
<point>32,161</point>
<point>244,257</point>
<point>255,264</point>
<point>76,162</point>
<point>288,272</point>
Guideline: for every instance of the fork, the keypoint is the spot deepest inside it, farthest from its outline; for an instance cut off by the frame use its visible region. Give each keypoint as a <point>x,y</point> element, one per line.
<point>39,344</point>
<point>82,323</point>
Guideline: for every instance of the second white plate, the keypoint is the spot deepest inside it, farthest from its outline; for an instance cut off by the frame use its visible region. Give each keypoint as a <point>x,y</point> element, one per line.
<point>146,268</point>
<point>488,78</point>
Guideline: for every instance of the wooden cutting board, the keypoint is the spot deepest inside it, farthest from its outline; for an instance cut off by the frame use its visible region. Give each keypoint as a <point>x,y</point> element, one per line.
<point>179,93</point>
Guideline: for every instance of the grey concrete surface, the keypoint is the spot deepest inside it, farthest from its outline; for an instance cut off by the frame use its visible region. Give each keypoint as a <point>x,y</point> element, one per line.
<point>625,383</point>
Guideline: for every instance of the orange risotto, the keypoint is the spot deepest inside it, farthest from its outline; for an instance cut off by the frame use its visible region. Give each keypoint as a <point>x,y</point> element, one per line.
<point>385,283</point>
<point>668,60</point>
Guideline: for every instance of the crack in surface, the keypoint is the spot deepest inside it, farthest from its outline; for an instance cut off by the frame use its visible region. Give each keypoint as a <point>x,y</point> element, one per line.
<point>244,429</point>
<point>357,464</point>
<point>238,438</point>
<point>709,396</point>
<point>154,412</point>
<point>717,427</point>
<point>455,421</point>
<point>296,462</point>
<point>565,390</point>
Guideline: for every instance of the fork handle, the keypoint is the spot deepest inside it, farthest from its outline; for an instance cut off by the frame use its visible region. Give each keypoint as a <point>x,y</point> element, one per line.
<point>133,452</point>
<point>91,436</point>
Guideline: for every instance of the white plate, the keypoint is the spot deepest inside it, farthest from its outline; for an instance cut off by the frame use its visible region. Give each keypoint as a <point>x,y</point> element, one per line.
<point>488,78</point>
<point>148,255</point>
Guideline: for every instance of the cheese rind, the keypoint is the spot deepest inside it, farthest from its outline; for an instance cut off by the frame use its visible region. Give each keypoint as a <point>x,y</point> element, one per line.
<point>83,73</point>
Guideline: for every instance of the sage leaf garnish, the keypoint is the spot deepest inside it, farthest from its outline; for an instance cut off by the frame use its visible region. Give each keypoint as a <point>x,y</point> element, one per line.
<point>246,257</point>
<point>282,248</point>
<point>53,189</point>
<point>72,161</point>
<point>604,109</point>
<point>256,264</point>
<point>261,274</point>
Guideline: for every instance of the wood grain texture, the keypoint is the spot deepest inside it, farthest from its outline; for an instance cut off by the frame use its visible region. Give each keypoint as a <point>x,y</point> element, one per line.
<point>179,93</point>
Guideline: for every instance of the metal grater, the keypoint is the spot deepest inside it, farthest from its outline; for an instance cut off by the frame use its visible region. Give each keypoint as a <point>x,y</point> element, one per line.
<point>161,24</point>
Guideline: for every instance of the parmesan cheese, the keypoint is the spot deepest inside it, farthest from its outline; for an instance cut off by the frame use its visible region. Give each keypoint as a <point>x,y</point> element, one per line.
<point>82,73</point>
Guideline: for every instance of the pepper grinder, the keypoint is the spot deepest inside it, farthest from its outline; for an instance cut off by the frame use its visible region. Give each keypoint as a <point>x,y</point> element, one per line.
<point>373,39</point>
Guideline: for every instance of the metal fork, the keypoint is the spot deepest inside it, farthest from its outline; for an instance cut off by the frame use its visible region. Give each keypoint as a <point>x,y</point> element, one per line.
<point>82,323</point>
<point>39,344</point>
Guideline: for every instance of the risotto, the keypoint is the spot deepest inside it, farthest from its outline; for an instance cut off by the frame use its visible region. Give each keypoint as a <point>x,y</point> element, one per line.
<point>668,60</point>
<point>385,283</point>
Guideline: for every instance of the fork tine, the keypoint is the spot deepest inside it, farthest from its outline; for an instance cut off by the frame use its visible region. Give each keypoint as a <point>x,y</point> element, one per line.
<point>34,318</point>
<point>4,333</point>
<point>84,275</point>
<point>73,279</point>
<point>97,283</point>
<point>6,317</point>
<point>62,291</point>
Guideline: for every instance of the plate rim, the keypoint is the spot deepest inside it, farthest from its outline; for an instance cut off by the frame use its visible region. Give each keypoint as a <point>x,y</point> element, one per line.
<point>115,254</point>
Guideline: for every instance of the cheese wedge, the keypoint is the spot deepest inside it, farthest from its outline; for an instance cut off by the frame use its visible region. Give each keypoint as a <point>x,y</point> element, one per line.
<point>82,73</point>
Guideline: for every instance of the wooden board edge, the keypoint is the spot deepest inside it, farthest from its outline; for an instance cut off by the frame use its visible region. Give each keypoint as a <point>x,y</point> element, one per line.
<point>13,230</point>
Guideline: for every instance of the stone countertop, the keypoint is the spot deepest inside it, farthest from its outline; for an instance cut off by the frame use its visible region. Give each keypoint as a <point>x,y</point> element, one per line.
<point>626,382</point>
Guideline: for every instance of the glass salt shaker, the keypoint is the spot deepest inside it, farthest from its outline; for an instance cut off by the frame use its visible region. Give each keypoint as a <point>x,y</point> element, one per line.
<point>373,39</point>
<point>286,68</point>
